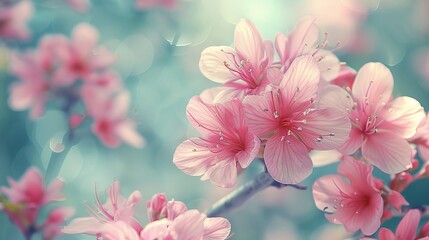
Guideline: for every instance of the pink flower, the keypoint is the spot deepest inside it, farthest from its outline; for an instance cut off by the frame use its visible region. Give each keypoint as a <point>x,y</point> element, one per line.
<point>83,56</point>
<point>30,189</point>
<point>241,70</point>
<point>110,113</point>
<point>14,19</point>
<point>380,124</point>
<point>302,41</point>
<point>406,229</point>
<point>116,208</point>
<point>293,122</point>
<point>52,226</point>
<point>226,143</point>
<point>356,202</point>
<point>26,197</point>
<point>79,5</point>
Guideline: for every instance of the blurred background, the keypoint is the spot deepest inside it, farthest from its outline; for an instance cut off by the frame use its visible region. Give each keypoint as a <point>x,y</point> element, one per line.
<point>158,50</point>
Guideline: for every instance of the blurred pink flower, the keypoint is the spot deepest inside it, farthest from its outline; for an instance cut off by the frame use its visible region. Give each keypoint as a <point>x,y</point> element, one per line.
<point>226,142</point>
<point>84,57</point>
<point>110,114</point>
<point>147,4</point>
<point>380,124</point>
<point>356,202</point>
<point>116,208</point>
<point>406,229</point>
<point>293,122</point>
<point>26,197</point>
<point>79,5</point>
<point>14,20</point>
<point>241,70</point>
<point>53,225</point>
<point>302,41</point>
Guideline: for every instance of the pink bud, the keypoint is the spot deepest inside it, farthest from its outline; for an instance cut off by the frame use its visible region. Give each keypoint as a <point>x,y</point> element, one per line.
<point>401,181</point>
<point>75,120</point>
<point>396,200</point>
<point>387,214</point>
<point>155,206</point>
<point>415,164</point>
<point>378,184</point>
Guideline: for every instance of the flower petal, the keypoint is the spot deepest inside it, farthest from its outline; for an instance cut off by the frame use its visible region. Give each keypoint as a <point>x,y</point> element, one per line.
<point>216,228</point>
<point>287,159</point>
<point>259,114</point>
<point>387,151</point>
<point>408,226</point>
<point>374,83</point>
<point>85,38</point>
<point>212,63</point>
<point>248,42</point>
<point>404,116</point>
<point>386,234</point>
<point>192,158</point>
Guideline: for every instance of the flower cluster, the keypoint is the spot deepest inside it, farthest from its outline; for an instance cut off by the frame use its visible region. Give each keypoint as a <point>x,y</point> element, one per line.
<point>23,201</point>
<point>70,71</point>
<point>168,220</point>
<point>14,18</point>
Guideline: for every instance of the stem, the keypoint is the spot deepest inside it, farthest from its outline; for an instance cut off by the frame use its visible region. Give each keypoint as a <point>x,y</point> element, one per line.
<point>245,192</point>
<point>57,158</point>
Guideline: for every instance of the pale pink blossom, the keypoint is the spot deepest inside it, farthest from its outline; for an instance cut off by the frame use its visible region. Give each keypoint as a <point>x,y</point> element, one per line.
<point>147,4</point>
<point>53,225</point>
<point>293,122</point>
<point>14,20</point>
<point>303,41</point>
<point>226,142</point>
<point>356,202</point>
<point>79,5</point>
<point>110,113</point>
<point>84,57</point>
<point>116,208</point>
<point>406,229</point>
<point>380,124</point>
<point>242,69</point>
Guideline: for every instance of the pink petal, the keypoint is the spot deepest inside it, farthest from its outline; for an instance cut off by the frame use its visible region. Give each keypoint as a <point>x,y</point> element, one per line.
<point>387,151</point>
<point>212,63</point>
<point>329,64</point>
<point>102,57</point>
<point>327,194</point>
<point>275,76</point>
<point>53,192</point>
<point>303,36</point>
<point>353,143</point>
<point>189,226</point>
<point>202,116</point>
<point>345,78</point>
<point>327,124</point>
<point>374,82</point>
<point>396,200</point>
<point>280,45</point>
<point>359,174</point>
<point>88,225</point>
<point>248,42</point>
<point>301,80</point>
<point>404,116</point>
<point>175,209</point>
<point>193,158</point>
<point>223,174</point>
<point>216,228</point>
<point>407,227</point>
<point>259,114</point>
<point>386,234</point>
<point>128,133</point>
<point>85,38</point>
<point>287,159</point>
<point>335,97</point>
<point>252,149</point>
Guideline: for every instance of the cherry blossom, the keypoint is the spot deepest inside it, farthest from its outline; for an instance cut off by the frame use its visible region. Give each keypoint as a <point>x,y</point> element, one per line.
<point>242,69</point>
<point>292,122</point>
<point>356,202</point>
<point>226,142</point>
<point>380,125</point>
